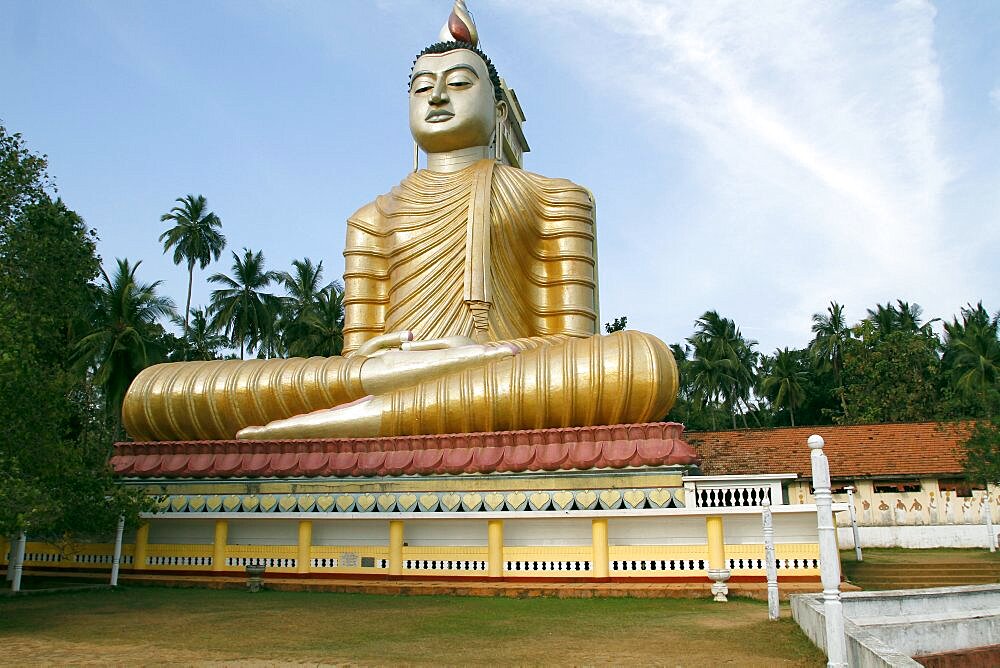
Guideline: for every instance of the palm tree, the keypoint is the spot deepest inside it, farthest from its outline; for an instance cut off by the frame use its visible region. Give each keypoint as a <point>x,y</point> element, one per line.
<point>827,347</point>
<point>125,335</point>
<point>746,375</point>
<point>884,319</point>
<point>724,364</point>
<point>322,328</point>
<point>241,308</point>
<point>972,354</point>
<point>709,375</point>
<point>901,317</point>
<point>303,287</point>
<point>783,384</point>
<point>194,238</point>
<point>203,341</point>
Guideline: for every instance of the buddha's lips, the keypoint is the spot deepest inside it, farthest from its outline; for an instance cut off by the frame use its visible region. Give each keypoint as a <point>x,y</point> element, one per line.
<point>438,115</point>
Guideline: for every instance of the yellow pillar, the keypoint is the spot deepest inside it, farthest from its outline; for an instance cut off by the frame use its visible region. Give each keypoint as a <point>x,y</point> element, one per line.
<point>599,547</point>
<point>716,542</point>
<point>494,532</point>
<point>305,546</point>
<point>395,547</point>
<point>219,545</point>
<point>141,543</point>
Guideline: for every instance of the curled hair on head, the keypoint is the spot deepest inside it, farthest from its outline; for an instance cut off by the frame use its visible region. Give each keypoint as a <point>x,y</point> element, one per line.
<point>445,47</point>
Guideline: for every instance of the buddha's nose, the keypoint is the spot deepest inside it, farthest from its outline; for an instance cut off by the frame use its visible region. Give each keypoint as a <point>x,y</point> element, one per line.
<point>439,95</point>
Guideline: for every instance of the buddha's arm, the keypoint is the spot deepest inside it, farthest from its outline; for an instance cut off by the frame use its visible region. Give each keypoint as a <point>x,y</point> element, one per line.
<point>565,268</point>
<point>365,279</point>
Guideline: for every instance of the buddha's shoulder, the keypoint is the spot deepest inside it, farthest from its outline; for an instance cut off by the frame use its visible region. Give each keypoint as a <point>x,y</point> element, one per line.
<point>365,221</point>
<point>368,212</point>
<point>552,188</point>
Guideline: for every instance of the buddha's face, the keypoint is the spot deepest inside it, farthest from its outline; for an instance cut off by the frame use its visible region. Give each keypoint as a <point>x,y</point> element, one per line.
<point>451,102</point>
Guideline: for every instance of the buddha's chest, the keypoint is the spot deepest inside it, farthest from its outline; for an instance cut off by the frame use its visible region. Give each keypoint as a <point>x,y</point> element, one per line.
<point>422,248</point>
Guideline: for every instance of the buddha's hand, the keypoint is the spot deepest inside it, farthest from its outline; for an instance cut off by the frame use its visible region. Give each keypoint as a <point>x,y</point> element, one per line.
<point>396,361</point>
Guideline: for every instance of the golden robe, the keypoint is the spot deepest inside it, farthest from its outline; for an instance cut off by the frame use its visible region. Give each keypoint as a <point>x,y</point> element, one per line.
<point>490,252</point>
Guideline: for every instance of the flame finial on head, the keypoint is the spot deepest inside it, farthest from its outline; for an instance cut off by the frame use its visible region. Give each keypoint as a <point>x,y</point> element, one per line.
<point>459,27</point>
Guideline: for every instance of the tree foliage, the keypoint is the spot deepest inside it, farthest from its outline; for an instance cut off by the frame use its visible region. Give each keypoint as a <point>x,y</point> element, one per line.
<point>972,357</point>
<point>203,342</point>
<point>617,325</point>
<point>724,367</point>
<point>125,333</point>
<point>982,452</point>
<point>312,319</point>
<point>24,178</point>
<point>890,367</point>
<point>54,445</point>
<point>891,376</point>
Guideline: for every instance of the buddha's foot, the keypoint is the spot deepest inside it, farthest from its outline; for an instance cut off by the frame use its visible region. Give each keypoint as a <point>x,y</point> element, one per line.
<point>357,419</point>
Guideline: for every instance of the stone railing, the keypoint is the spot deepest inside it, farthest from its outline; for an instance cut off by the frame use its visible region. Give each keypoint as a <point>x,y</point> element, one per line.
<point>734,491</point>
<point>923,511</point>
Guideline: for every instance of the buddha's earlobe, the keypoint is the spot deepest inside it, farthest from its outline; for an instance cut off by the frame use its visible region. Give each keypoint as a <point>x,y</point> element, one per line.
<point>498,134</point>
<point>416,155</point>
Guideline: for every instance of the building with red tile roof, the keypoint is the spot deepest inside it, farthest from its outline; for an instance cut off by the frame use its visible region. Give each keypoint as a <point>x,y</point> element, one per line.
<point>908,450</point>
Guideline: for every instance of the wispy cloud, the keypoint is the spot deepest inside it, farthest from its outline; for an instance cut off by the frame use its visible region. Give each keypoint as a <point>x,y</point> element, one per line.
<point>995,97</point>
<point>817,127</point>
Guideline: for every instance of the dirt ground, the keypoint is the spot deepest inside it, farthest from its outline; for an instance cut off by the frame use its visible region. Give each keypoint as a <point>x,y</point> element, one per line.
<point>158,626</point>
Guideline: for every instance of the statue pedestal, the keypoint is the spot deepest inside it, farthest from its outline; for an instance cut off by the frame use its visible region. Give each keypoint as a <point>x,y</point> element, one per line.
<point>523,504</point>
<point>543,450</point>
<point>575,505</point>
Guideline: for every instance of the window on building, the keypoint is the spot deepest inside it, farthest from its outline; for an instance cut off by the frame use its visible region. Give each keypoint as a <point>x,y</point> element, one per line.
<point>896,486</point>
<point>958,487</point>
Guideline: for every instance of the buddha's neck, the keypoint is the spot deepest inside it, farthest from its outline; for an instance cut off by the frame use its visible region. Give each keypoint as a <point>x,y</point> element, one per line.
<point>453,161</point>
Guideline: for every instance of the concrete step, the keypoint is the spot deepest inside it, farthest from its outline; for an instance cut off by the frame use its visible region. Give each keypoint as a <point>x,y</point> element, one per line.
<point>944,567</point>
<point>928,582</point>
<point>913,575</point>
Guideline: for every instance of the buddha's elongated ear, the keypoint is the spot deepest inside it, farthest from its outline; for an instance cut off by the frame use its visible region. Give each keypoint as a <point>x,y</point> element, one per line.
<point>498,134</point>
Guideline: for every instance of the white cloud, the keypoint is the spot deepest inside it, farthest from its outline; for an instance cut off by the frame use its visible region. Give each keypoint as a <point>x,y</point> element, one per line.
<point>817,128</point>
<point>995,97</point>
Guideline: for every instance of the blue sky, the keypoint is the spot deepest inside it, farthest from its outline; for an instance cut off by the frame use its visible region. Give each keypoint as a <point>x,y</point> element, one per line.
<point>760,159</point>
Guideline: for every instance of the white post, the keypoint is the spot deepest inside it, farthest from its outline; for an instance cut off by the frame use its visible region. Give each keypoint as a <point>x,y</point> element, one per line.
<point>15,584</point>
<point>990,537</point>
<point>117,558</point>
<point>11,543</point>
<point>829,557</point>
<point>773,611</point>
<point>854,522</point>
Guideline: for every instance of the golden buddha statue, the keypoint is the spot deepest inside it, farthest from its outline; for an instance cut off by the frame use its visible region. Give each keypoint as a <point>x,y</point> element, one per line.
<point>470,299</point>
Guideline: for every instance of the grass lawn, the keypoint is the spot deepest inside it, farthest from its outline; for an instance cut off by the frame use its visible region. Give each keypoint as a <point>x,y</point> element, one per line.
<point>153,625</point>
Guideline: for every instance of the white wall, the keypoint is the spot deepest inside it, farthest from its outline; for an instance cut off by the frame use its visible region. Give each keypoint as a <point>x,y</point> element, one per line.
<point>263,532</point>
<point>958,535</point>
<point>182,532</point>
<point>656,531</point>
<point>351,532</point>
<point>451,532</point>
<point>521,533</point>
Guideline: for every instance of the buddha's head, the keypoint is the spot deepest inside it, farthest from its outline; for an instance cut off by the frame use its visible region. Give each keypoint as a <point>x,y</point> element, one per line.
<point>454,90</point>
